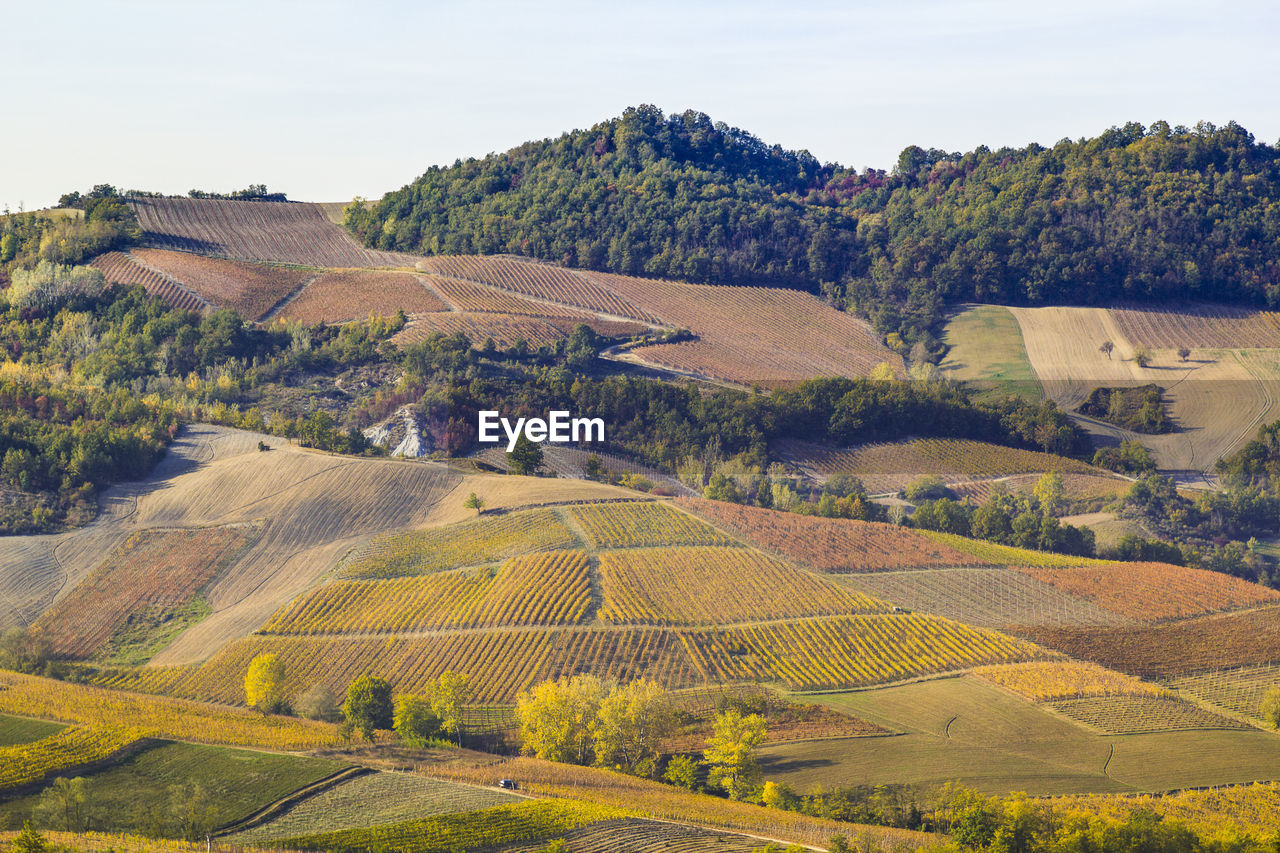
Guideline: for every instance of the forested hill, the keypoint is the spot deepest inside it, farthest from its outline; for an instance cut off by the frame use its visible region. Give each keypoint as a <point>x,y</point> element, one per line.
<point>1134,213</point>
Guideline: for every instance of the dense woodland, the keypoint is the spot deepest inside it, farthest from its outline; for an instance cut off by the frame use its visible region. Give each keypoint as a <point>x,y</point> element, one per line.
<point>1136,213</point>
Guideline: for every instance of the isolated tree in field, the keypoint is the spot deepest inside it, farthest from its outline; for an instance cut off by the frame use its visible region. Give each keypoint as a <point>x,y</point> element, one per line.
<point>368,705</point>
<point>1184,353</point>
<point>414,720</point>
<point>263,683</point>
<point>526,457</point>
<point>731,753</point>
<point>558,719</point>
<point>1142,357</point>
<point>446,695</point>
<point>1106,349</point>
<point>632,723</point>
<point>1271,707</point>
<point>475,502</point>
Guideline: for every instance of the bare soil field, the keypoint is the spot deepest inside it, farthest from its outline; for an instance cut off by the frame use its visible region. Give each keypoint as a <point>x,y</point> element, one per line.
<point>250,290</point>
<point>472,296</point>
<point>340,296</point>
<point>1200,326</point>
<point>120,268</point>
<point>505,329</point>
<point>263,231</point>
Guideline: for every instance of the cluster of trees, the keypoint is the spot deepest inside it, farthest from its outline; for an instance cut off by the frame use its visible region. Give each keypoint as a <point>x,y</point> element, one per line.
<point>183,810</point>
<point>1134,213</point>
<point>1140,409</point>
<point>106,223</point>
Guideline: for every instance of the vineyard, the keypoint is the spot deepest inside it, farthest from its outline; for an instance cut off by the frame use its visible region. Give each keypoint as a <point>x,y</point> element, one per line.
<point>159,717</point>
<point>1075,487</point>
<point>986,597</point>
<point>337,297</point>
<point>251,290</point>
<point>1237,690</point>
<point>637,835</point>
<point>469,543</point>
<point>643,524</point>
<point>153,568</point>
<point>850,651</point>
<point>786,720</point>
<point>701,585</point>
<point>992,553</point>
<point>263,231</point>
<point>891,466</point>
<point>776,335</point>
<point>1173,649</point>
<point>473,297</point>
<point>1212,326</point>
<point>541,281</point>
<point>119,268</point>
<point>1124,715</point>
<point>505,330</point>
<point>1153,592</point>
<point>29,763</point>
<point>536,589</point>
<point>830,544</point>
<point>1049,681</point>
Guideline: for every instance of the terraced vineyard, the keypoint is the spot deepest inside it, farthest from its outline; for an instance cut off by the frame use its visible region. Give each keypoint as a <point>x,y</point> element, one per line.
<point>337,297</point>
<point>120,268</point>
<point>1237,690</point>
<point>1154,592</point>
<point>251,290</point>
<point>27,763</point>
<point>701,585</point>
<point>535,589</point>
<point>643,523</point>
<point>1049,681</point>
<point>153,569</point>
<point>1213,326</point>
<point>1123,715</point>
<point>471,543</point>
<point>831,544</point>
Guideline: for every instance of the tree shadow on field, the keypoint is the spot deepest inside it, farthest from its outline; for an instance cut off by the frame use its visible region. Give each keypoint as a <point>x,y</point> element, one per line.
<point>780,764</point>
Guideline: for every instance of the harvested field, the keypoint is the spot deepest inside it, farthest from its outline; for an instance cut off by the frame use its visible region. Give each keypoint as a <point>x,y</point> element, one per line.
<point>337,297</point>
<point>469,543</point>
<point>1049,681</point>
<point>539,280</point>
<point>986,597</point>
<point>472,296</point>
<point>119,268</point>
<point>533,589</point>
<point>1124,715</point>
<point>1239,691</point>
<point>641,524</point>
<point>1153,592</point>
<point>251,290</point>
<point>830,544</point>
<point>891,466</point>
<point>710,585</point>
<point>263,231</point>
<point>1198,326</point>
<point>1173,649</point>
<point>777,336</point>
<point>984,347</point>
<point>151,569</point>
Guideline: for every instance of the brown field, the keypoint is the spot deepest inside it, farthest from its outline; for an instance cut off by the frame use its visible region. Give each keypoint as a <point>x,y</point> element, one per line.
<point>152,568</point>
<point>336,297</point>
<point>538,280</point>
<point>891,466</point>
<point>251,290</point>
<point>1152,592</point>
<point>1199,326</point>
<point>1075,487</point>
<point>1124,715</point>
<point>119,268</point>
<point>776,336</point>
<point>986,597</point>
<point>263,231</point>
<point>831,544</point>
<point>504,329</point>
<point>1173,649</point>
<point>472,297</point>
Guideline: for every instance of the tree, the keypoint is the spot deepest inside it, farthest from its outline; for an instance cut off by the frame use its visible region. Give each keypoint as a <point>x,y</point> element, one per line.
<point>526,457</point>
<point>1142,357</point>
<point>415,721</point>
<point>319,703</point>
<point>682,770</point>
<point>558,719</point>
<point>368,705</point>
<point>1106,349</point>
<point>29,841</point>
<point>192,811</point>
<point>731,753</point>
<point>263,683</point>
<point>1270,707</point>
<point>65,805</point>
<point>1049,491</point>
<point>582,348</point>
<point>475,502</point>
<point>447,694</point>
<point>632,722</point>
<point>1184,353</point>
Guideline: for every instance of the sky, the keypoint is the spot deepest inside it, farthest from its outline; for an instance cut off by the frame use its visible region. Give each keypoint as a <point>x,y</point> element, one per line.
<point>329,100</point>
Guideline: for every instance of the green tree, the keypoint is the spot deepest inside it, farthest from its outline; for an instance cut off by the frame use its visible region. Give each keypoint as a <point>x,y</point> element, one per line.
<point>1270,707</point>
<point>1049,491</point>
<point>367,706</point>
<point>682,770</point>
<point>582,348</point>
<point>557,720</point>
<point>30,841</point>
<point>65,805</point>
<point>731,753</point>
<point>526,457</point>
<point>263,683</point>
<point>415,721</point>
<point>475,502</point>
<point>192,811</point>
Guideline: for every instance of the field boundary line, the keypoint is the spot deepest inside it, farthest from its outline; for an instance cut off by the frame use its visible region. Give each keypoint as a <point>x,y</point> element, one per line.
<point>284,301</point>
<point>273,810</point>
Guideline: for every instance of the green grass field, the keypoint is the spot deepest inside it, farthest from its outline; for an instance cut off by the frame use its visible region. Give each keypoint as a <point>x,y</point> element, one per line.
<point>962,729</point>
<point>15,730</point>
<point>985,348</point>
<point>130,796</point>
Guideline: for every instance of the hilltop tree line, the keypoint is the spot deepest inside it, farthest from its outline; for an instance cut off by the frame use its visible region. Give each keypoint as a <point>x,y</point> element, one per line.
<point>1138,213</point>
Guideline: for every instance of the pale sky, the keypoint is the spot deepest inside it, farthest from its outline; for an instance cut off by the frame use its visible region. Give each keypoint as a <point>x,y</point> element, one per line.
<point>328,100</point>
